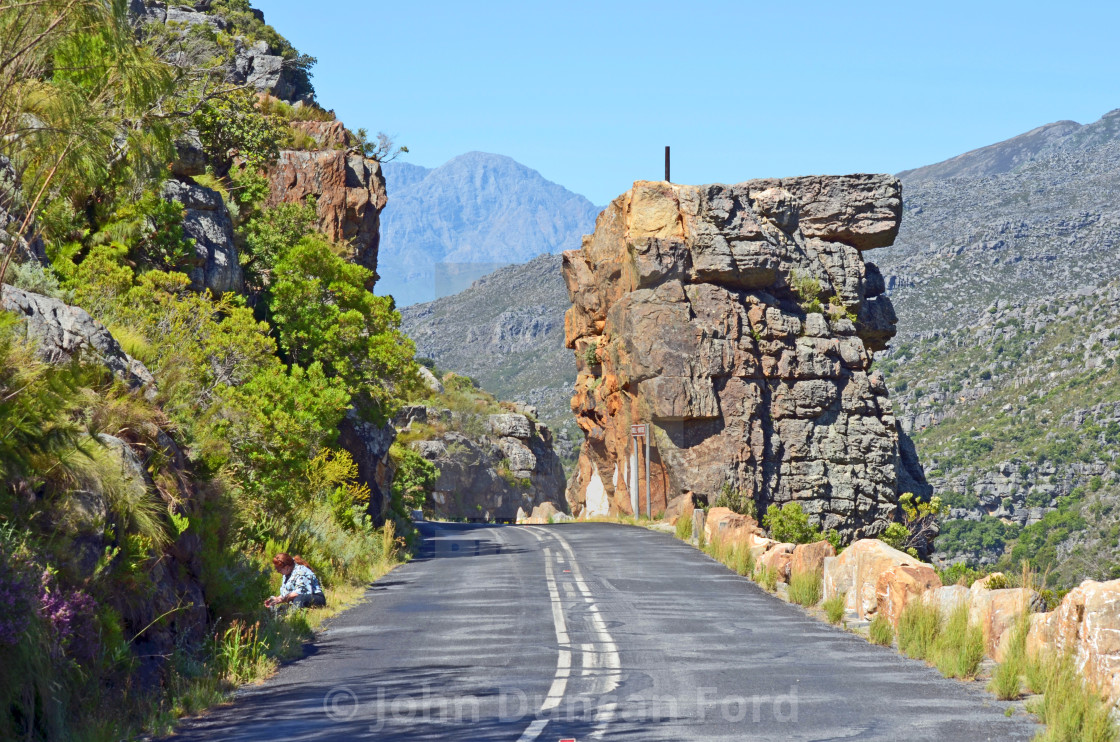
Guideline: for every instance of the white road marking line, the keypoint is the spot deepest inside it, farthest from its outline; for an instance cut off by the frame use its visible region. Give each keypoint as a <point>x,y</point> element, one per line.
<point>557,607</point>
<point>563,656</point>
<point>611,660</point>
<point>590,658</point>
<point>533,731</point>
<point>560,682</point>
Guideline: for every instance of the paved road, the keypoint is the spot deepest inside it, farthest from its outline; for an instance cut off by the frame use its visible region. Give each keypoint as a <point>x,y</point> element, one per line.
<point>594,631</point>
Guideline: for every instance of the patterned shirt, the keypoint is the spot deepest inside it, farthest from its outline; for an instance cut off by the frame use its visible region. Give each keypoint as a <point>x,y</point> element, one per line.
<point>301,580</point>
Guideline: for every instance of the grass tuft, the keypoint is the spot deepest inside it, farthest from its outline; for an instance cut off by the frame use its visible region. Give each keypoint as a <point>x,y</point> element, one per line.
<point>767,577</point>
<point>744,561</point>
<point>1069,708</point>
<point>918,628</point>
<point>684,524</point>
<point>805,588</point>
<point>1006,681</point>
<point>959,647</point>
<point>834,609</point>
<point>880,631</point>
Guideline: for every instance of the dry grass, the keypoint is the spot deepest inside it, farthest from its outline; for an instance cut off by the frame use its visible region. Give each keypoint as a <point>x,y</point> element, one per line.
<point>805,588</point>
<point>918,628</point>
<point>834,609</point>
<point>880,632</point>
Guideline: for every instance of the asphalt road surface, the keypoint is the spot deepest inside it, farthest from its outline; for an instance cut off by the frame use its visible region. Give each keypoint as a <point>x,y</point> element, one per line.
<point>594,631</point>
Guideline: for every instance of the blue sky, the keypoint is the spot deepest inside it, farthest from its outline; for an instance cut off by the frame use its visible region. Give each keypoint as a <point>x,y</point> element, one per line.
<point>590,93</point>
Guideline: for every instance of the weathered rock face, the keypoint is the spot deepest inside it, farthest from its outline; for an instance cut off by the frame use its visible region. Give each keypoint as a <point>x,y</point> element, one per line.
<point>348,187</point>
<point>875,579</point>
<point>739,321</point>
<point>490,474</point>
<point>1087,625</point>
<point>11,218</point>
<point>208,223</point>
<point>368,445</point>
<point>63,333</point>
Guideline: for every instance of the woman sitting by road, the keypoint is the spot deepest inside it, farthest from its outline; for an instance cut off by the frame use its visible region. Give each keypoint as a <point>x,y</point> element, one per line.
<point>300,587</point>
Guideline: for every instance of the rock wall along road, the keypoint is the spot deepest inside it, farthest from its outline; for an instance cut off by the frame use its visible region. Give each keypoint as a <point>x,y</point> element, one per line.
<point>739,321</point>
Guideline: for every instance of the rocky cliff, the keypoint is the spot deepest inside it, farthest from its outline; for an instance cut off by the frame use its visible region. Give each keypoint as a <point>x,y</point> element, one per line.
<point>490,466</point>
<point>348,187</point>
<point>739,322</point>
<point>507,332</point>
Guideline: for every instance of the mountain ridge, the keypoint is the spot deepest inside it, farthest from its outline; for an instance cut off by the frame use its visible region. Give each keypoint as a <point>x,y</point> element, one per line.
<point>446,226</point>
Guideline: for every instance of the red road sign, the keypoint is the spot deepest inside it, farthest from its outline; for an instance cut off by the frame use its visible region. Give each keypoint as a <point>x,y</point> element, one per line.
<point>636,430</point>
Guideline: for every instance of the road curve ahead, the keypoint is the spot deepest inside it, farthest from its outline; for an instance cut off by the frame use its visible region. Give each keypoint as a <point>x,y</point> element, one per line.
<point>593,631</point>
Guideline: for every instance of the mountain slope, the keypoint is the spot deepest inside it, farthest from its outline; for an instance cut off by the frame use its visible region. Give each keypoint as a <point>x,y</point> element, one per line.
<point>446,226</point>
<point>1009,154</point>
<point>1004,285</point>
<point>507,332</point>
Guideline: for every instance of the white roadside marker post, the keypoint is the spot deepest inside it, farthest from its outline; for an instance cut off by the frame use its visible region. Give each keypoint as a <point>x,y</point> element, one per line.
<point>636,432</point>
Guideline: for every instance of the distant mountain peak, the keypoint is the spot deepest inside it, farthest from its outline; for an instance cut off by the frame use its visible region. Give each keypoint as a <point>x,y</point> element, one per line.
<point>479,211</point>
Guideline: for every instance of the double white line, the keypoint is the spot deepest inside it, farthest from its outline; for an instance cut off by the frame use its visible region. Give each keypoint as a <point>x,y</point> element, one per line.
<point>600,660</point>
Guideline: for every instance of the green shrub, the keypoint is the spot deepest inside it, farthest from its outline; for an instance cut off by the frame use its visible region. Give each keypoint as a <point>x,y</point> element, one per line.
<point>918,628</point>
<point>880,631</point>
<point>805,588</point>
<point>324,313</point>
<point>415,477</point>
<point>790,524</point>
<point>152,229</point>
<point>959,574</point>
<point>834,609</point>
<point>270,233</point>
<point>738,501</point>
<point>234,124</point>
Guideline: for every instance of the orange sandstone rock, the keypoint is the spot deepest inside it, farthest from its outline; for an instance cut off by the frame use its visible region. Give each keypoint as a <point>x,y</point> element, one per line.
<point>872,576</point>
<point>1086,623</point>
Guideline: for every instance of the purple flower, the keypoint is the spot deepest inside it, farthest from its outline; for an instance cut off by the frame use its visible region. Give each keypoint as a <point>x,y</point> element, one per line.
<point>71,616</point>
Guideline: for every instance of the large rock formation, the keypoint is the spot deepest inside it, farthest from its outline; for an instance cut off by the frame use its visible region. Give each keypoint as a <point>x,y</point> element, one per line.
<point>207,221</point>
<point>348,187</point>
<point>64,333</point>
<point>739,321</point>
<point>1085,625</point>
<point>490,466</point>
<point>369,444</point>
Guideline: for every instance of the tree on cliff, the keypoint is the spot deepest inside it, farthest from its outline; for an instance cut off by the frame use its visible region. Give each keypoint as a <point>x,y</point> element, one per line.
<point>324,314</point>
